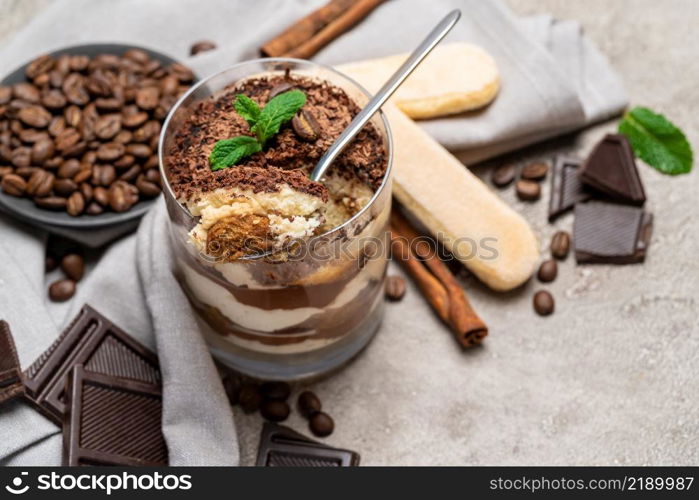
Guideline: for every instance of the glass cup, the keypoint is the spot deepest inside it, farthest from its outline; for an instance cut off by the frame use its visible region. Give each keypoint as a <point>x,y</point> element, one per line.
<point>313,310</point>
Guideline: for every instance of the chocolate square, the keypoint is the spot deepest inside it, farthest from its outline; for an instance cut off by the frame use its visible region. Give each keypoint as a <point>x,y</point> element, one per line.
<point>112,421</point>
<point>611,233</point>
<point>566,187</point>
<point>283,447</point>
<point>95,342</point>
<point>611,169</point>
<point>10,373</point>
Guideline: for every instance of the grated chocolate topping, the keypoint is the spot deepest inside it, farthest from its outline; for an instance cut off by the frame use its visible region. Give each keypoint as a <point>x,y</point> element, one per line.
<point>286,157</point>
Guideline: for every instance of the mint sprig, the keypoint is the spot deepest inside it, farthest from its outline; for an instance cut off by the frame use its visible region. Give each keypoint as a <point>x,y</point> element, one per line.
<point>264,123</point>
<point>657,141</point>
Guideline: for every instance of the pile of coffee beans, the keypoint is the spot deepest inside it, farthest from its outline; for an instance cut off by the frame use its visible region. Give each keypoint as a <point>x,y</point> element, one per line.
<point>69,257</point>
<point>528,186</point>
<point>81,134</point>
<point>270,399</point>
<point>560,248</point>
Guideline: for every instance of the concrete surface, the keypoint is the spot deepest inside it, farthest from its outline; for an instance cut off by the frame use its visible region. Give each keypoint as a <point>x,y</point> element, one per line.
<point>612,377</point>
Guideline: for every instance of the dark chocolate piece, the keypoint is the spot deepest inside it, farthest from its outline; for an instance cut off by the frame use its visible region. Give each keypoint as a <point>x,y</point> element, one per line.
<point>95,342</point>
<point>10,372</point>
<point>283,447</point>
<point>611,169</point>
<point>611,233</point>
<point>112,421</point>
<point>566,187</point>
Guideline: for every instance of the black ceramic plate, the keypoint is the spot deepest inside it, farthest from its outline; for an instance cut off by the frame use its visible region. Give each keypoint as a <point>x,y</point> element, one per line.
<point>24,208</point>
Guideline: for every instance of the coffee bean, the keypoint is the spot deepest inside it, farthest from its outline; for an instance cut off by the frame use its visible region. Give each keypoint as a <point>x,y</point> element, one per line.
<point>201,46</point>
<point>73,116</point>
<point>137,55</point>
<point>275,411</point>
<point>528,190</point>
<point>75,204</point>
<point>42,64</point>
<point>275,390</point>
<point>57,125</point>
<point>149,130</point>
<point>131,174</point>
<point>51,203</point>
<point>147,188</point>
<point>108,103</point>
<point>153,175</point>
<point>132,120</point>
<point>87,191</point>
<point>26,92</point>
<point>14,185</point>
<point>5,95</point>
<point>548,271</point>
<point>308,403</point>
<point>560,245</point>
<point>50,264</point>
<point>67,139</point>
<point>182,72</point>
<point>69,169</point>
<point>40,183</point>
<point>120,200</point>
<point>503,175</point>
<point>35,116</point>
<point>79,62</point>
<point>21,157</point>
<point>42,150</point>
<point>5,171</point>
<point>83,174</point>
<point>74,266</point>
<point>94,208</point>
<point>231,384</point>
<point>65,187</point>
<point>147,98</point>
<point>305,126</point>
<point>321,424</point>
<point>138,150</point>
<point>249,398</point>
<point>62,290</point>
<point>535,171</point>
<point>123,137</point>
<point>110,151</point>
<point>108,126</point>
<point>32,136</point>
<point>74,89</point>
<point>53,99</point>
<point>26,172</point>
<point>98,84</point>
<point>56,78</point>
<point>543,303</point>
<point>101,196</point>
<point>103,175</point>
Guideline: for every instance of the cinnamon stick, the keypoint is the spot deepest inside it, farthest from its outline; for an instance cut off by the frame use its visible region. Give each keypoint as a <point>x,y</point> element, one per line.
<point>313,32</point>
<point>419,262</point>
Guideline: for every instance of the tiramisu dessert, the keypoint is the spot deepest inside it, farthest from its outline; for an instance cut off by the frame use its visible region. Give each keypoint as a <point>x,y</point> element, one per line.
<point>276,263</point>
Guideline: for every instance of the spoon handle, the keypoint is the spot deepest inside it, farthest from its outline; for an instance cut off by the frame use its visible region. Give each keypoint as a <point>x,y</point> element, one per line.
<point>429,43</point>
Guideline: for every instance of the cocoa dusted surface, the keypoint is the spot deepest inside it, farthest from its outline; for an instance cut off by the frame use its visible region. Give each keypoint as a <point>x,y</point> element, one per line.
<point>286,158</point>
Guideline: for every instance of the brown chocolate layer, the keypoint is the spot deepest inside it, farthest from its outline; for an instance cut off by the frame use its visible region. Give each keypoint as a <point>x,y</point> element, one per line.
<point>286,156</point>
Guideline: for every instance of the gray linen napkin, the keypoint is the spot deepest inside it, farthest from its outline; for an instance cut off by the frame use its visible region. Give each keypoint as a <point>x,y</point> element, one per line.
<point>554,81</point>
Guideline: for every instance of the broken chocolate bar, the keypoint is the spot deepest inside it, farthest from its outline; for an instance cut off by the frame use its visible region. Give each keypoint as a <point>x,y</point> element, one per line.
<point>112,421</point>
<point>566,187</point>
<point>611,169</point>
<point>611,233</point>
<point>10,373</point>
<point>284,447</point>
<point>95,342</point>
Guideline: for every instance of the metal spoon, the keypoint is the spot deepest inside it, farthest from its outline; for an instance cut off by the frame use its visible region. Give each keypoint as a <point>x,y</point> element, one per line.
<point>429,43</point>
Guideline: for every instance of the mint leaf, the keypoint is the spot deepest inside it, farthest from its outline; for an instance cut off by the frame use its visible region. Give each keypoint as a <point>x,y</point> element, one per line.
<point>277,111</point>
<point>230,151</point>
<point>657,141</point>
<point>248,109</point>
